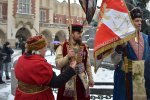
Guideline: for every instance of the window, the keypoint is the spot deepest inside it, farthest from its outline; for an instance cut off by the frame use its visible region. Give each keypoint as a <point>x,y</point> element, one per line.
<point>0,10</point>
<point>42,15</point>
<point>24,6</point>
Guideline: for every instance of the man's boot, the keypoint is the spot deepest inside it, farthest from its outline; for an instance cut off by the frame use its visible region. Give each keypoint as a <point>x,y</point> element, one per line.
<point>1,81</point>
<point>7,77</point>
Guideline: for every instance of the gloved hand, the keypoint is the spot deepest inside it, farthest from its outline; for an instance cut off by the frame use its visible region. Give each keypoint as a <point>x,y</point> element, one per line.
<point>120,48</point>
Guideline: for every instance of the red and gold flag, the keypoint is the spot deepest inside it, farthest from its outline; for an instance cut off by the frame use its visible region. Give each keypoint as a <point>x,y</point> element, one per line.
<point>114,27</point>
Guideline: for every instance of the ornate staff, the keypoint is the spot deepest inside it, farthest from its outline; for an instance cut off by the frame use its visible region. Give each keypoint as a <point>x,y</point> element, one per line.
<point>70,32</point>
<point>70,28</point>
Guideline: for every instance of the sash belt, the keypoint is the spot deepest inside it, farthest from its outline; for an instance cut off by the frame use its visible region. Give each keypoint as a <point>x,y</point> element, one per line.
<point>31,89</point>
<point>129,68</point>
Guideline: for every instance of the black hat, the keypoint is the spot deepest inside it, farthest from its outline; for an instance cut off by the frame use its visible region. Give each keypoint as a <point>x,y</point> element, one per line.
<point>76,27</point>
<point>7,43</point>
<point>136,13</point>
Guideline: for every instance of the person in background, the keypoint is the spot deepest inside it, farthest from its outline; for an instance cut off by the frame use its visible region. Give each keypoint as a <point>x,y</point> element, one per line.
<point>35,75</point>
<point>23,46</point>
<point>2,58</point>
<point>77,88</point>
<point>8,50</point>
<point>52,49</point>
<point>17,43</point>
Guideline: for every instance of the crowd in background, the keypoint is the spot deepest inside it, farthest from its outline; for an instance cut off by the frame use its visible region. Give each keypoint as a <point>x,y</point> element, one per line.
<point>5,58</point>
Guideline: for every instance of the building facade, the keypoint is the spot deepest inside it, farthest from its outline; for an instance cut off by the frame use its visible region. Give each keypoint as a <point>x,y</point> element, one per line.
<point>3,20</point>
<point>20,19</point>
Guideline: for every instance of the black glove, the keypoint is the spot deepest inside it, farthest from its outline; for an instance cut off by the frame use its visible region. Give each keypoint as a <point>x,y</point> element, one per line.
<point>119,49</point>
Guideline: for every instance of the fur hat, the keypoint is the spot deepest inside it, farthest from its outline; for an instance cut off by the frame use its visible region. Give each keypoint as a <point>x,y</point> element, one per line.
<point>36,43</point>
<point>136,13</point>
<point>76,27</point>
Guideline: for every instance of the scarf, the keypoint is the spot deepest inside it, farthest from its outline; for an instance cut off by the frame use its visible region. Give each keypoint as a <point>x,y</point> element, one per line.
<point>138,47</point>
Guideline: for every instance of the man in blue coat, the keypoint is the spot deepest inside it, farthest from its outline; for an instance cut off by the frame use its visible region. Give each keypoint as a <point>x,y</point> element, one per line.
<point>134,50</point>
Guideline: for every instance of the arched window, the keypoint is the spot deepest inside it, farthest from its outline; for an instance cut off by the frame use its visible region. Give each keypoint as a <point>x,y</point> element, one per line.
<point>24,6</point>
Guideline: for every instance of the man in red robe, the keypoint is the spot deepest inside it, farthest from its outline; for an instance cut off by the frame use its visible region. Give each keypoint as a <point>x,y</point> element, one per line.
<point>35,75</point>
<point>77,88</point>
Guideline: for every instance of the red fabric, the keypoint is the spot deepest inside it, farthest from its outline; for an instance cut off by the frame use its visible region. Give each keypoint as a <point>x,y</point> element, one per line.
<point>65,48</point>
<point>36,71</point>
<point>102,39</point>
<point>80,90</point>
<point>119,5</point>
<point>79,85</point>
<point>110,30</point>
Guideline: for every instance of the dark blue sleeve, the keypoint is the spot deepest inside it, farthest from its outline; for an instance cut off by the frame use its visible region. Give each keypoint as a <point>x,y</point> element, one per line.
<point>10,50</point>
<point>146,76</point>
<point>146,46</point>
<point>149,40</point>
<point>61,79</point>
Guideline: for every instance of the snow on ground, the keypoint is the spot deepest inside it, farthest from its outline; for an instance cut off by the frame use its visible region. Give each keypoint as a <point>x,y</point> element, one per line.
<point>50,59</point>
<point>16,54</point>
<point>102,75</point>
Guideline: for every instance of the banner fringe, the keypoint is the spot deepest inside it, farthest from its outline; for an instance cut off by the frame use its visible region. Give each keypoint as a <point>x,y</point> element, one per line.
<point>109,46</point>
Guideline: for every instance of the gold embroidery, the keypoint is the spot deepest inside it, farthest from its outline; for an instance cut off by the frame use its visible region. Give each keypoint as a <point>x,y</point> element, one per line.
<point>99,51</point>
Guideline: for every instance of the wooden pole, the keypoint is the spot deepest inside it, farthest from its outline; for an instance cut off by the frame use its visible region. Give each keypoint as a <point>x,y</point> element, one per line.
<point>70,28</point>
<point>138,36</point>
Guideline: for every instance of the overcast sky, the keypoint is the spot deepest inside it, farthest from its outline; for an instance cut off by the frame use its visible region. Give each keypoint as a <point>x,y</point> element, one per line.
<point>72,1</point>
<point>99,3</point>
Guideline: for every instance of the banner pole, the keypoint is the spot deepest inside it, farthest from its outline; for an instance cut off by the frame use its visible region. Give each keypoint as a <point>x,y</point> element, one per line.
<point>70,32</point>
<point>69,19</point>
